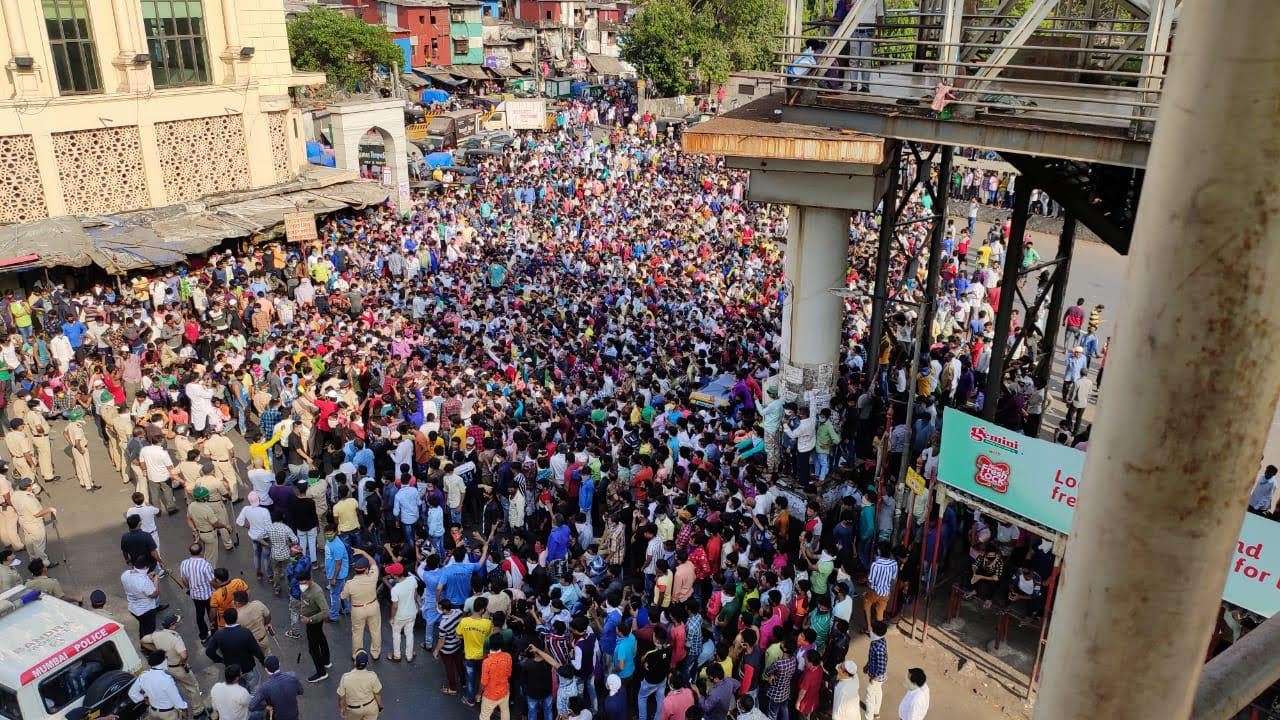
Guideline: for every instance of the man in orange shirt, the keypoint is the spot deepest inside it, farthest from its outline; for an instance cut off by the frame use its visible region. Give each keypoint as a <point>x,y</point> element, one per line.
<point>495,681</point>
<point>225,588</point>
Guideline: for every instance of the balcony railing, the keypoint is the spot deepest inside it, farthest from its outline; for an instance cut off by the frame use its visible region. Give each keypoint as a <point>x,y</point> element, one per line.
<point>1101,75</point>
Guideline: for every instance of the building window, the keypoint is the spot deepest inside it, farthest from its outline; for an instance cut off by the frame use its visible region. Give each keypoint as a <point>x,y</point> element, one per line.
<point>175,39</point>
<point>433,18</point>
<point>461,46</point>
<point>456,16</point>
<point>548,15</point>
<point>75,61</point>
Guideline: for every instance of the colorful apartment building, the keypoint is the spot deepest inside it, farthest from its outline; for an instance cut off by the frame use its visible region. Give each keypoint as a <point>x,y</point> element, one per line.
<point>430,32</point>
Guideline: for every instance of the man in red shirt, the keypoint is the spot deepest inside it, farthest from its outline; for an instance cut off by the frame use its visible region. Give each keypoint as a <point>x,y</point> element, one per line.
<point>326,406</point>
<point>1072,319</point>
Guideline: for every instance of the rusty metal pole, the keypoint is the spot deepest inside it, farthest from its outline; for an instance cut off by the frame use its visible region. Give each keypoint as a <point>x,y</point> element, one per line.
<point>1008,291</point>
<point>1057,294</point>
<point>1193,385</point>
<point>884,255</point>
<point>941,188</point>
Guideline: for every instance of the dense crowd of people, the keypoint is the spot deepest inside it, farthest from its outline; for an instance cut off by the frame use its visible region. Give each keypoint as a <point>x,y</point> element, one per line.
<point>471,418</point>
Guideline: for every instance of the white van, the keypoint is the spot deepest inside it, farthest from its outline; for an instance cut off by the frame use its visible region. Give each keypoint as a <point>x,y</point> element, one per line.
<point>56,656</point>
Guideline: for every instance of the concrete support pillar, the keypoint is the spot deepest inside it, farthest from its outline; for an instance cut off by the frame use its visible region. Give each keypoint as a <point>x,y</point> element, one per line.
<point>813,316</point>
<point>1191,388</point>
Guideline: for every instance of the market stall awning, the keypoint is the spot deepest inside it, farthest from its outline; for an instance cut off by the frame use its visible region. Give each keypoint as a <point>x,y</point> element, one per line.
<point>468,72</point>
<point>439,76</point>
<point>413,81</point>
<point>505,72</point>
<point>606,65</point>
<point>165,236</point>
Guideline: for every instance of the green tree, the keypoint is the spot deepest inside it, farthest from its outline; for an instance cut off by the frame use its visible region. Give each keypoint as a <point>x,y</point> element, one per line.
<point>749,29</point>
<point>679,43</point>
<point>346,49</point>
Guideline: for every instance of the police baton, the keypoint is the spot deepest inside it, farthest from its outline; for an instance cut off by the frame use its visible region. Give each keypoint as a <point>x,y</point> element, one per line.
<point>169,574</point>
<point>66,560</point>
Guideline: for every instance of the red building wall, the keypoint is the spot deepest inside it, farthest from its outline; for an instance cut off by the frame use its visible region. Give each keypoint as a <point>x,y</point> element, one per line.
<point>535,10</point>
<point>418,21</point>
<point>367,10</point>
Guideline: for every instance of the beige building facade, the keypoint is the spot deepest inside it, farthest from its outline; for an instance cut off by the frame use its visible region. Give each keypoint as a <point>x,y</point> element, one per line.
<point>108,106</point>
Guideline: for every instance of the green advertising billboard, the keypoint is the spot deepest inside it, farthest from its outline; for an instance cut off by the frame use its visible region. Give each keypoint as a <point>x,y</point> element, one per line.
<point>1033,478</point>
<point>1040,481</point>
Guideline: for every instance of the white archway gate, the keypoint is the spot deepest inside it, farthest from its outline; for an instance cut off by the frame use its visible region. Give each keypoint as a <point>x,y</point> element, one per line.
<point>358,127</point>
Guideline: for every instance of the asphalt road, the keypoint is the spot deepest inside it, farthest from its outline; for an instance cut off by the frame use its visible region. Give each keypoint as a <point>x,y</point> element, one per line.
<point>91,525</point>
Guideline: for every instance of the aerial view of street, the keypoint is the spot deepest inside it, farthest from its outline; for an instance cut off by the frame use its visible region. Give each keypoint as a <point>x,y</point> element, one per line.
<point>639,360</point>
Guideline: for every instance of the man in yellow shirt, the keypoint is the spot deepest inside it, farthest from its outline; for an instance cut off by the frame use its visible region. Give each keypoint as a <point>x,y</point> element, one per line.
<point>984,254</point>
<point>346,512</point>
<point>474,631</point>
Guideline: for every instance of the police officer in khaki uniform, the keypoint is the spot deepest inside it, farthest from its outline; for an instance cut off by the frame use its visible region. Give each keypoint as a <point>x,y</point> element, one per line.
<point>189,470</point>
<point>223,454</point>
<point>203,519</point>
<point>219,495</point>
<point>41,581</point>
<point>168,640</point>
<point>79,444</point>
<point>9,534</point>
<point>108,411</point>
<point>22,452</point>
<point>31,517</point>
<point>123,431</point>
<point>9,578</point>
<point>38,430</point>
<point>360,691</point>
<point>362,591</point>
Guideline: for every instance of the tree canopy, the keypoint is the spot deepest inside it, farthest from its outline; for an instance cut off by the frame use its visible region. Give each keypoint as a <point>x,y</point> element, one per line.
<point>346,49</point>
<point>677,44</point>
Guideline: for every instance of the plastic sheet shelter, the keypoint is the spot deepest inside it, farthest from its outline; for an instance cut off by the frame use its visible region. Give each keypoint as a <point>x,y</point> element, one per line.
<point>165,236</point>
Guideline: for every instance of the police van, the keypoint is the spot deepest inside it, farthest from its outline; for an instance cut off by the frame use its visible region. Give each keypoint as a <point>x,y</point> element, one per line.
<point>56,657</point>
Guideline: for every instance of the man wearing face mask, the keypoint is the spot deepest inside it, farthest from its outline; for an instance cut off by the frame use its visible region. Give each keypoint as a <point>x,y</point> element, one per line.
<point>313,608</point>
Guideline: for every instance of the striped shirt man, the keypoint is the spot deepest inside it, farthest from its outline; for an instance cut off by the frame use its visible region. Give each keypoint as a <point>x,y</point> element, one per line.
<point>199,576</point>
<point>450,642</point>
<point>883,572</point>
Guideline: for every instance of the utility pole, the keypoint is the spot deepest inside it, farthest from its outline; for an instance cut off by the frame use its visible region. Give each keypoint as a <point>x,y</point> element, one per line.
<point>1192,388</point>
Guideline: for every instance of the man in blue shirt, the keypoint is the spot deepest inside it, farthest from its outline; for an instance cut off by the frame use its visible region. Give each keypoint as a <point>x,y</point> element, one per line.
<point>406,509</point>
<point>74,330</point>
<point>1075,366</point>
<point>586,494</point>
<point>337,564</point>
<point>455,578</point>
<point>299,567</point>
<point>609,632</point>
<point>624,653</point>
<point>431,574</point>
<point>558,541</point>
<point>357,454</point>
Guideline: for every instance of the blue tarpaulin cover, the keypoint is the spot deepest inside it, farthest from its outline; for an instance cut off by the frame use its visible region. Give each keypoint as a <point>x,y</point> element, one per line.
<point>434,95</point>
<point>439,160</point>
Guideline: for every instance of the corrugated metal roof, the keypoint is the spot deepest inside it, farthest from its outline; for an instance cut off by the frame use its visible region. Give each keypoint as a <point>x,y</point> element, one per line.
<point>470,72</point>
<point>167,235</point>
